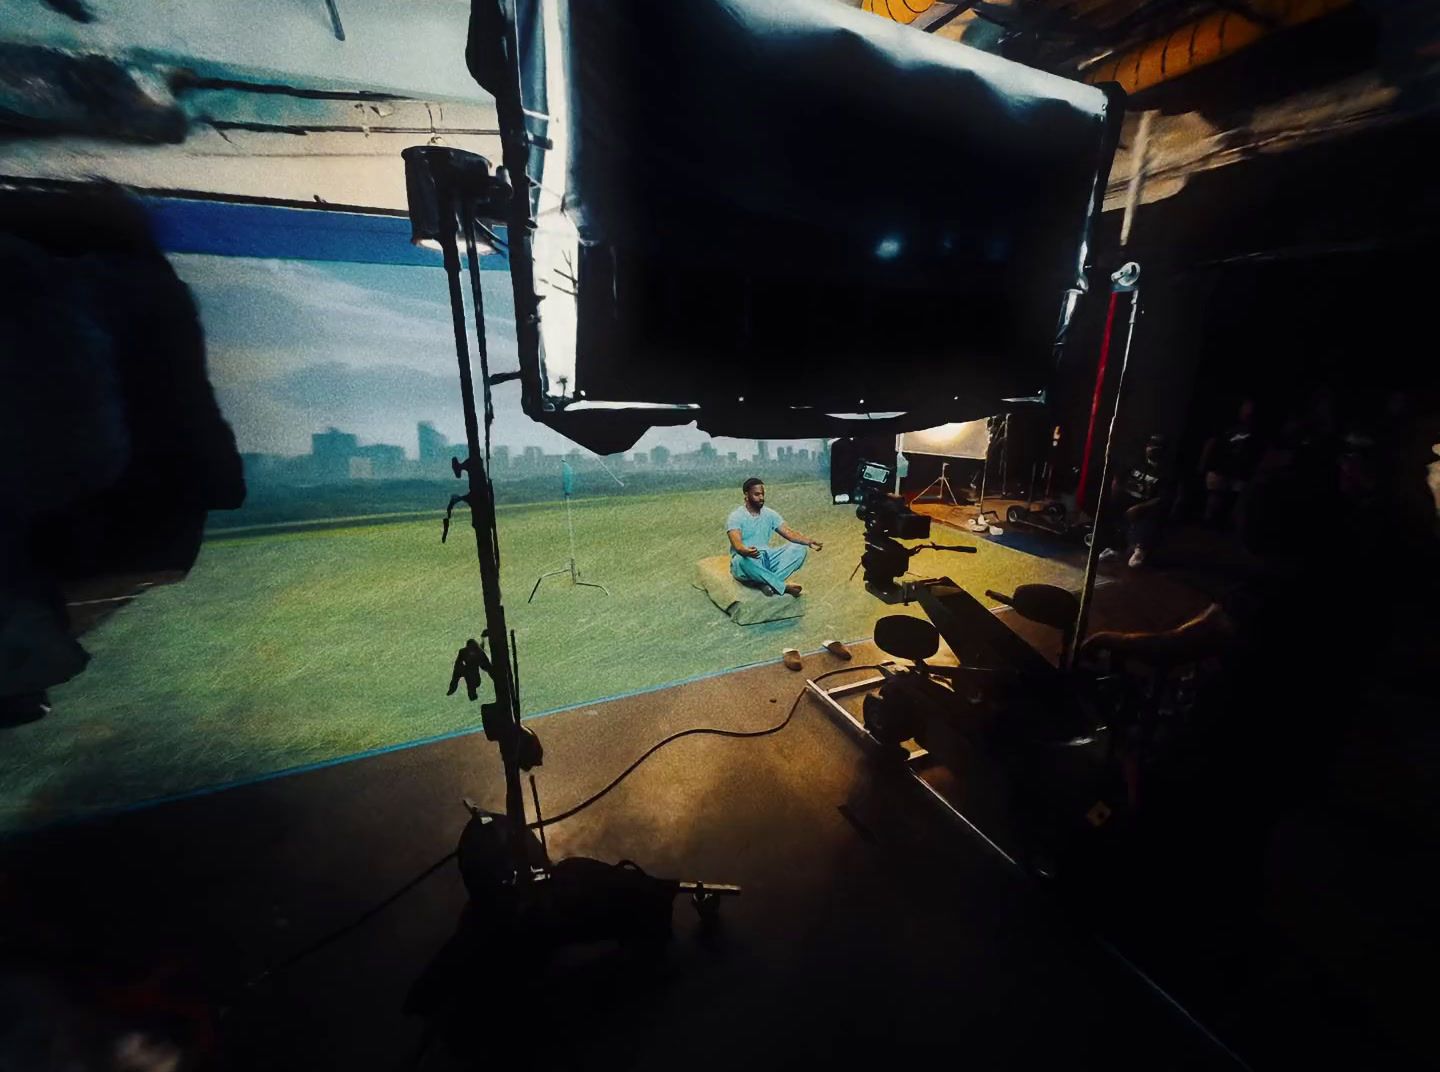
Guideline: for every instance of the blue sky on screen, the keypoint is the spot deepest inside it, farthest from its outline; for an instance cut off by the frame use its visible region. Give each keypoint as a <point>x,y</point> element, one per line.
<point>295,347</point>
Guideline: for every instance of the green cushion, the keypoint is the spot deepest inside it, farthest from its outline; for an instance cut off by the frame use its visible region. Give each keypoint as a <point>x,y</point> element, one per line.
<point>745,605</point>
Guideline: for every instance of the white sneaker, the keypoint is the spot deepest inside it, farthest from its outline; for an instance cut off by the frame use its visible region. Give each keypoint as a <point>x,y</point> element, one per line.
<point>1137,558</point>
<point>1108,554</point>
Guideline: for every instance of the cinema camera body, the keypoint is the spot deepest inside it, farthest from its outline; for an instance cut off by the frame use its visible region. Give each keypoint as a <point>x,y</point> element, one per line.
<point>888,520</point>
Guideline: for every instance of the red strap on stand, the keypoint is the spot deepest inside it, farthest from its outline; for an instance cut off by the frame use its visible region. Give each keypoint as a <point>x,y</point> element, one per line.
<point>1095,403</point>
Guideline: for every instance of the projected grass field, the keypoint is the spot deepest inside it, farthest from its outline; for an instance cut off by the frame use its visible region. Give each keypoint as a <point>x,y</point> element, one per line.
<point>289,648</point>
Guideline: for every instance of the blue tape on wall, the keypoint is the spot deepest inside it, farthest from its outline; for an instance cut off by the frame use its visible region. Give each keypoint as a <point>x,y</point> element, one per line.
<point>228,229</point>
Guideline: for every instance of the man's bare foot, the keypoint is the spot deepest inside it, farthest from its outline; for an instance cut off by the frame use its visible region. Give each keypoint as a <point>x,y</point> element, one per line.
<point>792,589</point>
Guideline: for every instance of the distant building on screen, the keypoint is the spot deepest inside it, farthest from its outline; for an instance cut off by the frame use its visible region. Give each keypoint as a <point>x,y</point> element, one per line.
<point>434,445</point>
<point>332,450</point>
<point>380,461</point>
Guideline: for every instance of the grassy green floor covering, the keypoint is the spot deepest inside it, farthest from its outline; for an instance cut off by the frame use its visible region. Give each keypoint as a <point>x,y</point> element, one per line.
<point>286,649</point>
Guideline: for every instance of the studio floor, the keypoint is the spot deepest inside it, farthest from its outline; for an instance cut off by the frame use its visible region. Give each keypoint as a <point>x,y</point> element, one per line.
<point>871,924</point>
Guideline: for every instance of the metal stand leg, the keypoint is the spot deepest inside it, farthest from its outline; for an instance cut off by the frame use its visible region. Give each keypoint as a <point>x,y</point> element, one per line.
<point>570,567</point>
<point>1005,457</point>
<point>977,523</point>
<point>942,484</point>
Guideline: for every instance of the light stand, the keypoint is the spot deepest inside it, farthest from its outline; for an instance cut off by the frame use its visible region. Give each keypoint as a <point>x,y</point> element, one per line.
<point>447,189</point>
<point>1125,280</point>
<point>574,573</point>
<point>978,523</point>
<point>942,486</point>
<point>519,898</point>
<point>1004,456</point>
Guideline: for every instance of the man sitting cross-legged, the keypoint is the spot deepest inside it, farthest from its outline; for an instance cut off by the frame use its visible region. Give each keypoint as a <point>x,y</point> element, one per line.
<point>752,560</point>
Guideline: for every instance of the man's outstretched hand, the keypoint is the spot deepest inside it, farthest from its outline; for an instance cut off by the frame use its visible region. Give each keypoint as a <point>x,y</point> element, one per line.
<point>817,545</point>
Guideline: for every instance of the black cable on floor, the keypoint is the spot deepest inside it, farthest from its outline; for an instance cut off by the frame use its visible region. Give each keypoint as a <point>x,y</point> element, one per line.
<point>687,733</point>
<point>335,935</point>
<point>365,917</point>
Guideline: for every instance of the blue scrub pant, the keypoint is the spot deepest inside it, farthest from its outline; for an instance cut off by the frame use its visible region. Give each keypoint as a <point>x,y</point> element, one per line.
<point>772,567</point>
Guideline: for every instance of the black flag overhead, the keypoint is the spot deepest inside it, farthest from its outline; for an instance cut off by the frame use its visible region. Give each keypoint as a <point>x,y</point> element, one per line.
<point>760,216</point>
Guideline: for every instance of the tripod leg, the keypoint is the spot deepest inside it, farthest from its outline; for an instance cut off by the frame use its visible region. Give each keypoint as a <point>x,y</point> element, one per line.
<point>552,573</point>
<point>570,524</point>
<point>925,490</point>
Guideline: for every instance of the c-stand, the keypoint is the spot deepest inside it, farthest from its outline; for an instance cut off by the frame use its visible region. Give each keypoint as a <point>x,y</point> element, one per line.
<point>517,895</point>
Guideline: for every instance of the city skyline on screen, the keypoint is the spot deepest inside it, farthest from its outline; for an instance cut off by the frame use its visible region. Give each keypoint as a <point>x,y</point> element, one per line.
<point>299,349</point>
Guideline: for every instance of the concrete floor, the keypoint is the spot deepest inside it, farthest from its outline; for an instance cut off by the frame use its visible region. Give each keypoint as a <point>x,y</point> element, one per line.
<point>871,924</point>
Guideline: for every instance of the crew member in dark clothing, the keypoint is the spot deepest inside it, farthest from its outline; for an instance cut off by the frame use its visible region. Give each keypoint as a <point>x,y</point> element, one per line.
<point>1310,759</point>
<point>1228,462</point>
<point>1139,500</point>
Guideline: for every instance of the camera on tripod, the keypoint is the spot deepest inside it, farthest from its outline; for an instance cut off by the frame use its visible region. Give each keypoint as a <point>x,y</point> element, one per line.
<point>888,520</point>
<point>884,512</point>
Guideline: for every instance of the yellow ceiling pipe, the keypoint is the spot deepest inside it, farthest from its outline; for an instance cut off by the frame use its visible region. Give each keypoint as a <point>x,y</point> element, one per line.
<point>1214,37</point>
<point>906,11</point>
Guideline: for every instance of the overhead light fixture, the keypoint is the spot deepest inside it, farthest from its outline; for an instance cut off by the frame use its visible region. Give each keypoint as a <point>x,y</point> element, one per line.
<point>441,182</point>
